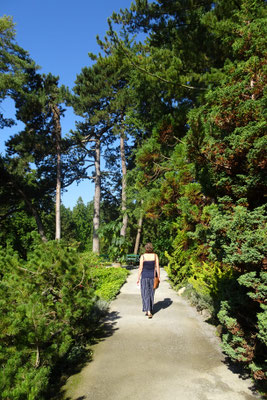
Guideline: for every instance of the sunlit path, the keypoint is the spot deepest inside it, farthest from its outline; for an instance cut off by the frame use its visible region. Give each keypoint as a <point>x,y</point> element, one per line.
<point>173,356</point>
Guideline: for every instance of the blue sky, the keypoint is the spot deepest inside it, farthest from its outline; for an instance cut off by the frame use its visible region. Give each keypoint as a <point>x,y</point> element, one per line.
<point>58,35</point>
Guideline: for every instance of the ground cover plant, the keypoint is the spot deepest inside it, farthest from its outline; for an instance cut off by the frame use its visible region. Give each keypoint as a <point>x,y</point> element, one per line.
<point>107,281</point>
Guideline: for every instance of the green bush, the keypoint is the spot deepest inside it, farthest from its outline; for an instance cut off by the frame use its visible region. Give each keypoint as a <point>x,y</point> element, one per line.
<point>89,259</point>
<point>220,260</point>
<point>207,278</point>
<point>179,262</point>
<point>107,281</point>
<point>244,318</point>
<point>48,305</point>
<point>202,301</point>
<point>238,237</point>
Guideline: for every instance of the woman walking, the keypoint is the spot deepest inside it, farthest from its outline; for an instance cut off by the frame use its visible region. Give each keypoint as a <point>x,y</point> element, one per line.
<point>149,266</point>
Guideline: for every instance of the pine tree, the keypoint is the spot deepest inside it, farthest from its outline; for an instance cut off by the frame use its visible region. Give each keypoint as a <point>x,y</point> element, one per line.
<point>101,98</point>
<point>14,64</point>
<point>39,107</point>
<point>83,219</point>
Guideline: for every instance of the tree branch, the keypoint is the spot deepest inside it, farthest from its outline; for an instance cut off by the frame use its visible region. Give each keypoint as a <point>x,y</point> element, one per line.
<point>76,178</point>
<point>27,270</point>
<point>178,140</point>
<point>83,275</point>
<point>159,77</point>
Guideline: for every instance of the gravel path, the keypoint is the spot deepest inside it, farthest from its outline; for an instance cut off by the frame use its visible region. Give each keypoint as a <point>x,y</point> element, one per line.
<point>173,356</point>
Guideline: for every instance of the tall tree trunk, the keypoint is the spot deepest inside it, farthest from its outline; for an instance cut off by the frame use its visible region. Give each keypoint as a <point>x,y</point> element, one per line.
<point>138,235</point>
<point>123,186</point>
<point>97,198</point>
<point>36,215</point>
<point>57,132</point>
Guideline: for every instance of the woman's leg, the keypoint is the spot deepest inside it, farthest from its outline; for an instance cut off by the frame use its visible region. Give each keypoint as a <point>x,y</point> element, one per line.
<point>145,294</point>
<point>151,292</point>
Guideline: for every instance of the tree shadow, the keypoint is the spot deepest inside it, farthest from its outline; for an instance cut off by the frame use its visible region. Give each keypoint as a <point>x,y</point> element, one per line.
<point>236,368</point>
<point>106,328</point>
<point>76,360</point>
<point>257,387</point>
<point>161,305</point>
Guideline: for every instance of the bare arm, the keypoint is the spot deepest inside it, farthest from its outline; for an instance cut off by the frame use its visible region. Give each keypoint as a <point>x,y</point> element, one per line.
<point>157,266</point>
<point>140,269</point>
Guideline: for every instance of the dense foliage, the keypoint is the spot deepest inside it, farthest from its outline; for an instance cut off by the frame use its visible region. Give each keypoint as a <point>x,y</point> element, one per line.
<point>201,169</point>
<point>49,304</point>
<point>188,105</point>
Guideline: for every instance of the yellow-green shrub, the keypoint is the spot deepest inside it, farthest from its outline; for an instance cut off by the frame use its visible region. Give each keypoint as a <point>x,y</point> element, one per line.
<point>206,277</point>
<point>107,281</point>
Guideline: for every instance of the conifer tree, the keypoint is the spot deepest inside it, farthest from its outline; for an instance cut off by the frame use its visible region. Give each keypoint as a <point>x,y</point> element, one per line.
<point>82,216</point>
<point>14,64</point>
<point>100,97</point>
<point>227,139</point>
<point>203,160</point>
<point>39,107</point>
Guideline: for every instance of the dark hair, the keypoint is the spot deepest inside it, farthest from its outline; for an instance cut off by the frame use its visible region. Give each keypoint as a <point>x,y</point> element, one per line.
<point>149,248</point>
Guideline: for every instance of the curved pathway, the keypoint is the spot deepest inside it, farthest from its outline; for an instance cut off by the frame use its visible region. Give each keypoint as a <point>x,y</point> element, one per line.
<point>174,356</point>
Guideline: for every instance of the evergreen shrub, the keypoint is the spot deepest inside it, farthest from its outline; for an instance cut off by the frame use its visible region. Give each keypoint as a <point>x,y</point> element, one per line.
<point>207,278</point>
<point>245,324</point>
<point>220,261</point>
<point>237,236</point>
<point>199,300</point>
<point>49,306</point>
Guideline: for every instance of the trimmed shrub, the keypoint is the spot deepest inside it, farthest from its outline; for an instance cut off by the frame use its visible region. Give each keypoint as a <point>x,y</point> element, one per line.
<point>107,281</point>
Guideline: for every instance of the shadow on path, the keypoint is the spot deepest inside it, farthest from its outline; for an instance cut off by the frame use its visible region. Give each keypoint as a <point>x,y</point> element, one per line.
<point>256,387</point>
<point>69,366</point>
<point>106,328</point>
<point>161,305</point>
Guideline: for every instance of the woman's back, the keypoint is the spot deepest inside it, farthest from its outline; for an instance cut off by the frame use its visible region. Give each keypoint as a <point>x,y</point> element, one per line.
<point>148,265</point>
<point>149,256</point>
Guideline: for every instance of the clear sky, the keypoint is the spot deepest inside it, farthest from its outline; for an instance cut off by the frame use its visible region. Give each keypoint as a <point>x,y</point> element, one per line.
<point>58,34</point>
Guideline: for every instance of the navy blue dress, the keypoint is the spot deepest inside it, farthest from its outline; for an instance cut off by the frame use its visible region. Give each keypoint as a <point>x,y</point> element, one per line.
<point>147,285</point>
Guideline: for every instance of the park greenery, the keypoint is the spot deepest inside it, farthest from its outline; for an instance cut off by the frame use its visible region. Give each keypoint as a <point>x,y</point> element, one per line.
<point>174,107</point>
